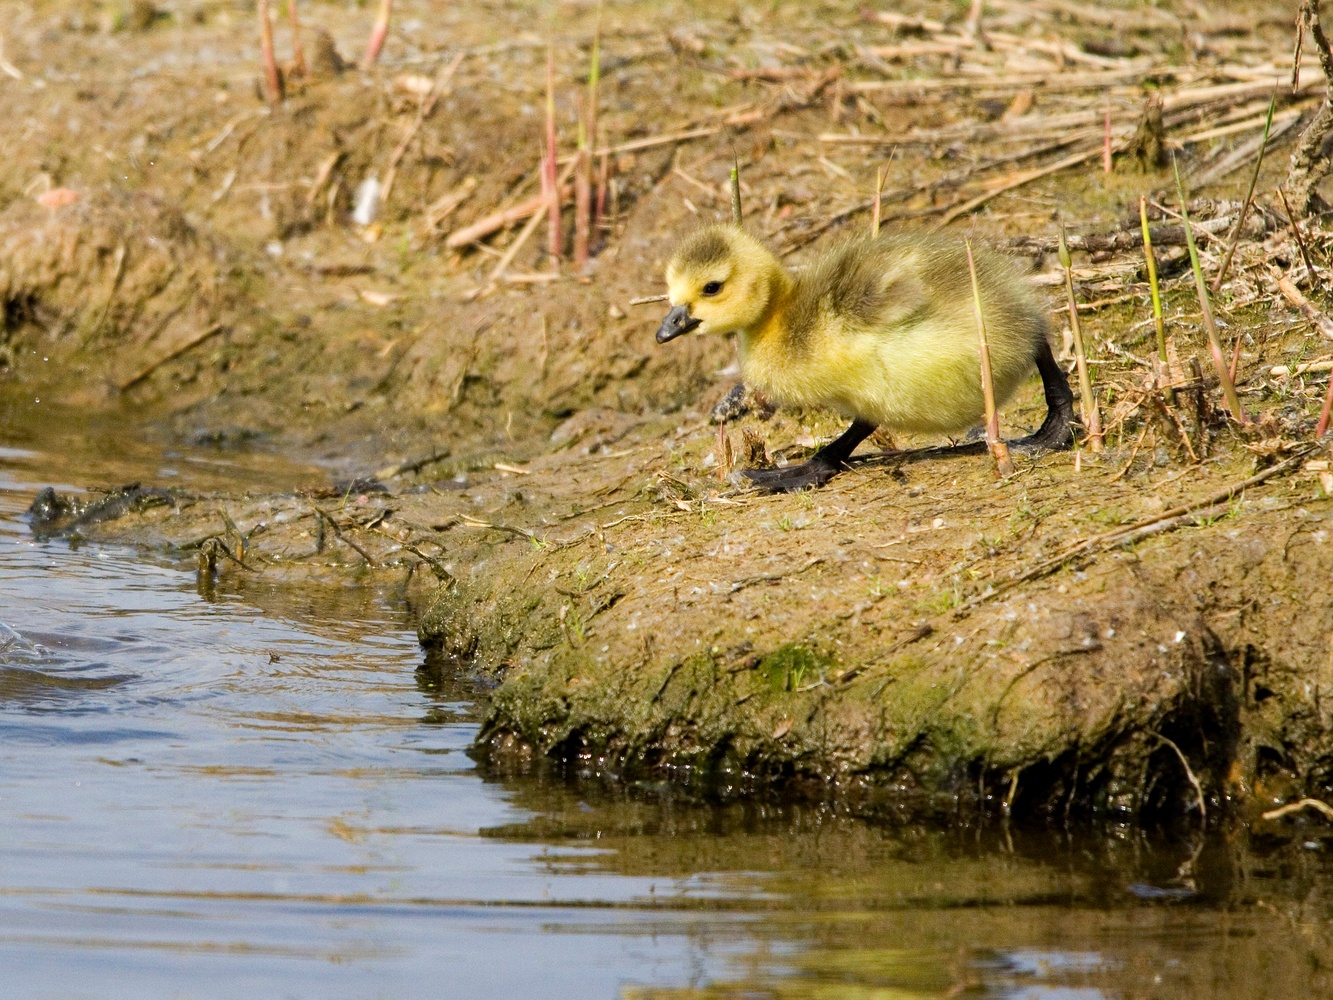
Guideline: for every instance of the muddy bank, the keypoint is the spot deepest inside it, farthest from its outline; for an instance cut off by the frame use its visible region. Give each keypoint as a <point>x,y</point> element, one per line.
<point>1139,633</point>
<point>876,640</point>
<point>811,655</point>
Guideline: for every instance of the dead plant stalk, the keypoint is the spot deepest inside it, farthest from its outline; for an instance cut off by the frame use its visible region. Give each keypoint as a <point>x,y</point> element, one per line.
<point>550,189</point>
<point>1156,291</point>
<point>736,215</point>
<point>1092,419</point>
<point>272,81</point>
<point>998,449</point>
<point>1296,232</point>
<point>1214,343</point>
<point>378,33</point>
<point>1245,207</point>
<point>583,206</point>
<point>298,50</point>
<point>1309,162</point>
<point>881,175</point>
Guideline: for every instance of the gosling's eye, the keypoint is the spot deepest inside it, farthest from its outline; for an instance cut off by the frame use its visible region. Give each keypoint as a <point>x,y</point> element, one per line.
<point>712,288</point>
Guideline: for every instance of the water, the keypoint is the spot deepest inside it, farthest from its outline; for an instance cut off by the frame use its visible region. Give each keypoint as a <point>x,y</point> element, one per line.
<point>256,793</point>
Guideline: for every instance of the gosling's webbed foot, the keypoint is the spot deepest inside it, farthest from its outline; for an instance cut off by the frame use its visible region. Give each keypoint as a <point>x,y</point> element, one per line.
<point>794,478</point>
<point>1057,430</point>
<point>1059,440</point>
<point>823,465</point>
<point>738,402</point>
<point>734,405</point>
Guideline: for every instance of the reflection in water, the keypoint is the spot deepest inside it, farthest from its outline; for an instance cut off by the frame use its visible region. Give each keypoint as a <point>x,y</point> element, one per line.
<point>260,794</point>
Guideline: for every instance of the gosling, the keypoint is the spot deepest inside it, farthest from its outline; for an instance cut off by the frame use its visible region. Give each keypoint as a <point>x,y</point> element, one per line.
<point>881,329</point>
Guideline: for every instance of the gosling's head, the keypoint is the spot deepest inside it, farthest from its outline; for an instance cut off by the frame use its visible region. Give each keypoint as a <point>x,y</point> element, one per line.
<point>720,280</point>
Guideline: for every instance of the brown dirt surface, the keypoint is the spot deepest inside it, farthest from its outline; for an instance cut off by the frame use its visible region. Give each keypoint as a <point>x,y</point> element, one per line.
<point>916,633</point>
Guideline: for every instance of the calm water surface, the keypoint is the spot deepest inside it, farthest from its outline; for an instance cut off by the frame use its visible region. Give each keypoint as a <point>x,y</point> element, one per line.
<point>258,794</point>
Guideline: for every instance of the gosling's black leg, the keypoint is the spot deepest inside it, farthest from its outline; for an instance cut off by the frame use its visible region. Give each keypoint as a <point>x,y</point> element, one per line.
<point>823,465</point>
<point>1056,431</point>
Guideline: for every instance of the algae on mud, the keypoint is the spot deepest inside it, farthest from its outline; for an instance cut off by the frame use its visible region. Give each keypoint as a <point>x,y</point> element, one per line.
<point>633,612</point>
<point>1067,693</point>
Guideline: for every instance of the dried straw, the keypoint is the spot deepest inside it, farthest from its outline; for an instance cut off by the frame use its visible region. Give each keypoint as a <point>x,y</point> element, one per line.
<point>272,82</point>
<point>1214,344</point>
<point>998,449</point>
<point>1092,418</point>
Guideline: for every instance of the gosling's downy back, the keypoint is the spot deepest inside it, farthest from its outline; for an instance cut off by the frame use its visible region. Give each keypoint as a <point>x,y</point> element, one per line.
<point>895,282</point>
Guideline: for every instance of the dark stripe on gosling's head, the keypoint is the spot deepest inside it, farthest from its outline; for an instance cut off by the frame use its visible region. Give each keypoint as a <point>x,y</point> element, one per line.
<point>707,246</point>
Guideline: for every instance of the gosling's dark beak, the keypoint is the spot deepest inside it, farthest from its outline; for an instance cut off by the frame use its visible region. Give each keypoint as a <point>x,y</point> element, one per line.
<point>677,322</point>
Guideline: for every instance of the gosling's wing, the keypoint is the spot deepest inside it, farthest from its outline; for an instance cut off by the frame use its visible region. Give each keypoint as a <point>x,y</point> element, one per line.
<point>861,288</point>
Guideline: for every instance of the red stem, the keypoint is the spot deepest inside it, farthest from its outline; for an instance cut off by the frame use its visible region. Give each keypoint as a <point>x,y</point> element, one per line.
<point>298,51</point>
<point>377,35</point>
<point>272,82</point>
<point>1106,143</point>
<point>555,241</point>
<point>1322,429</point>
<point>603,182</point>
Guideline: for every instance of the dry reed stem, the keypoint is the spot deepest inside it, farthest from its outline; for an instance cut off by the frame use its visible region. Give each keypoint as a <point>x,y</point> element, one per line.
<point>323,174</point>
<point>1309,163</point>
<point>497,220</point>
<point>552,203</point>
<point>7,67</point>
<point>298,50</point>
<point>583,206</point>
<point>1015,181</point>
<point>599,201</point>
<point>1322,427</point>
<point>1301,369</point>
<point>881,175</point>
<point>1245,206</point>
<point>1153,287</point>
<point>272,81</point>
<point>378,33</point>
<point>1092,419</point>
<point>171,355</point>
<point>1201,287</point>
<point>1189,774</point>
<point>424,110</point>
<point>1296,231</point>
<point>555,243</point>
<point>1293,295</point>
<point>1296,52</point>
<point>972,26</point>
<point>737,216</point>
<point>447,203</point>
<point>1106,142</point>
<point>879,194</point>
<point>998,449</point>
<point>722,451</point>
<point>1291,807</point>
<point>534,219</point>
